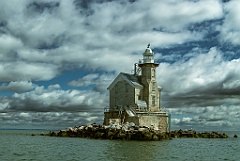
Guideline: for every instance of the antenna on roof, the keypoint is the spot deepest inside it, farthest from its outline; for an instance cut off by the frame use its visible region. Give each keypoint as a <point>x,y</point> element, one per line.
<point>136,69</point>
<point>148,45</point>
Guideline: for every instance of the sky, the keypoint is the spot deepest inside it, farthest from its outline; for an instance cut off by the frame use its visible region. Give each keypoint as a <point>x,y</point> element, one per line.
<point>57,58</point>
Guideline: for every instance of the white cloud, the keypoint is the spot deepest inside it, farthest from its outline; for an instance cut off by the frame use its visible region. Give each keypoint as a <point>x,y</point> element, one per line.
<point>54,87</point>
<point>201,73</point>
<point>20,86</point>
<point>176,15</point>
<point>85,81</point>
<point>170,15</point>
<point>4,103</point>
<point>52,106</point>
<point>55,99</point>
<point>22,71</point>
<point>210,117</point>
<point>230,29</point>
<point>100,82</point>
<point>48,120</point>
<point>128,31</point>
<point>106,39</point>
<point>8,43</point>
<point>231,84</point>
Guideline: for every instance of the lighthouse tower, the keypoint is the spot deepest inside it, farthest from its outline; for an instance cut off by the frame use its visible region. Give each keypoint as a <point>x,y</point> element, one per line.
<point>136,97</point>
<point>151,91</point>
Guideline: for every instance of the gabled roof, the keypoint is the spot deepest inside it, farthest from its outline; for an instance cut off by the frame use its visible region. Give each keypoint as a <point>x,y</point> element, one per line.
<point>130,78</point>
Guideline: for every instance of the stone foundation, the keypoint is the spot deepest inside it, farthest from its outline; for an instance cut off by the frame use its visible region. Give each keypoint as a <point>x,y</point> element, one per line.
<point>156,120</point>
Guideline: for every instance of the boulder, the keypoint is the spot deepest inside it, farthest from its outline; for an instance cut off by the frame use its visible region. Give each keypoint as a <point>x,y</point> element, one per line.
<point>155,137</point>
<point>147,136</point>
<point>137,136</point>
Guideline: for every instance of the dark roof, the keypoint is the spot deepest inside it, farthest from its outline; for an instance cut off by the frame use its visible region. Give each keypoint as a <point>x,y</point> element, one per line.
<point>133,78</point>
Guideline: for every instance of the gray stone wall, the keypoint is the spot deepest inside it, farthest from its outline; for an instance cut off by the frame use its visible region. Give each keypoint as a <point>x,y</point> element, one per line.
<point>122,94</point>
<point>150,92</point>
<point>159,122</point>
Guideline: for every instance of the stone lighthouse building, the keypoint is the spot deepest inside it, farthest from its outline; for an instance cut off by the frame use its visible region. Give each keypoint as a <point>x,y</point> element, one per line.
<point>136,97</point>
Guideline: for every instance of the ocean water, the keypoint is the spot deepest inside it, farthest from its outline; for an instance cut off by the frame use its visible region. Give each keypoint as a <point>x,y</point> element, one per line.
<point>20,145</point>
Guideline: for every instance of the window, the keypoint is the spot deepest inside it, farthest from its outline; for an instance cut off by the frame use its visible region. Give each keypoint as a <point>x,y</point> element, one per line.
<point>153,86</point>
<point>153,73</point>
<point>153,100</point>
<point>139,97</point>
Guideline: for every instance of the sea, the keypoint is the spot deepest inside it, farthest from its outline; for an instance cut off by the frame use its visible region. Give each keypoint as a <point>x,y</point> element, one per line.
<point>18,145</point>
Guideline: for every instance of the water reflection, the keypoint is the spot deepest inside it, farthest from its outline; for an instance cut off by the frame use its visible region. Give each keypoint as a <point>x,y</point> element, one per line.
<point>137,150</point>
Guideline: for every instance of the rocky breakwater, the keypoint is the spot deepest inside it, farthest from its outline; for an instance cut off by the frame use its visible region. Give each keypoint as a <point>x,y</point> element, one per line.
<point>128,131</point>
<point>193,134</point>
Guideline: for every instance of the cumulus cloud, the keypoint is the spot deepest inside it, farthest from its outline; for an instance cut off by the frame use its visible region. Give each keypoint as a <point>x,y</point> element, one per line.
<point>207,118</point>
<point>22,71</point>
<point>202,90</point>
<point>48,107</point>
<point>47,120</point>
<point>55,100</point>
<point>230,29</point>
<point>69,32</point>
<point>9,44</point>
<point>99,82</point>
<point>206,76</point>
<point>17,86</point>
<point>85,81</point>
<point>200,71</point>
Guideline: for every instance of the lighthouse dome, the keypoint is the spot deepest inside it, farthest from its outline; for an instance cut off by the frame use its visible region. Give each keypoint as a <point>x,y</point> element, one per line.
<point>148,55</point>
<point>148,51</point>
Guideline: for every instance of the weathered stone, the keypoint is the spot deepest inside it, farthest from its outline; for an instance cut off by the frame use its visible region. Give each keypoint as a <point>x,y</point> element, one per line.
<point>98,135</point>
<point>110,135</point>
<point>143,129</point>
<point>147,136</point>
<point>155,137</point>
<point>122,136</point>
<point>62,133</point>
<point>137,136</point>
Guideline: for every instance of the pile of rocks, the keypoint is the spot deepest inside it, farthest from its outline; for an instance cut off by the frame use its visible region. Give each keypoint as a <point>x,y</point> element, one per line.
<point>128,131</point>
<point>193,134</point>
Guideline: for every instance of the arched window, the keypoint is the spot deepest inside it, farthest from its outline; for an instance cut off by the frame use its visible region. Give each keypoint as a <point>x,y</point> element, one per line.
<point>153,73</point>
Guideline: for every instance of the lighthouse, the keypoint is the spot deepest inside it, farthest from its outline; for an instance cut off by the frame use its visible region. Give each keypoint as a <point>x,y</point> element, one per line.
<point>136,97</point>
<point>151,91</point>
